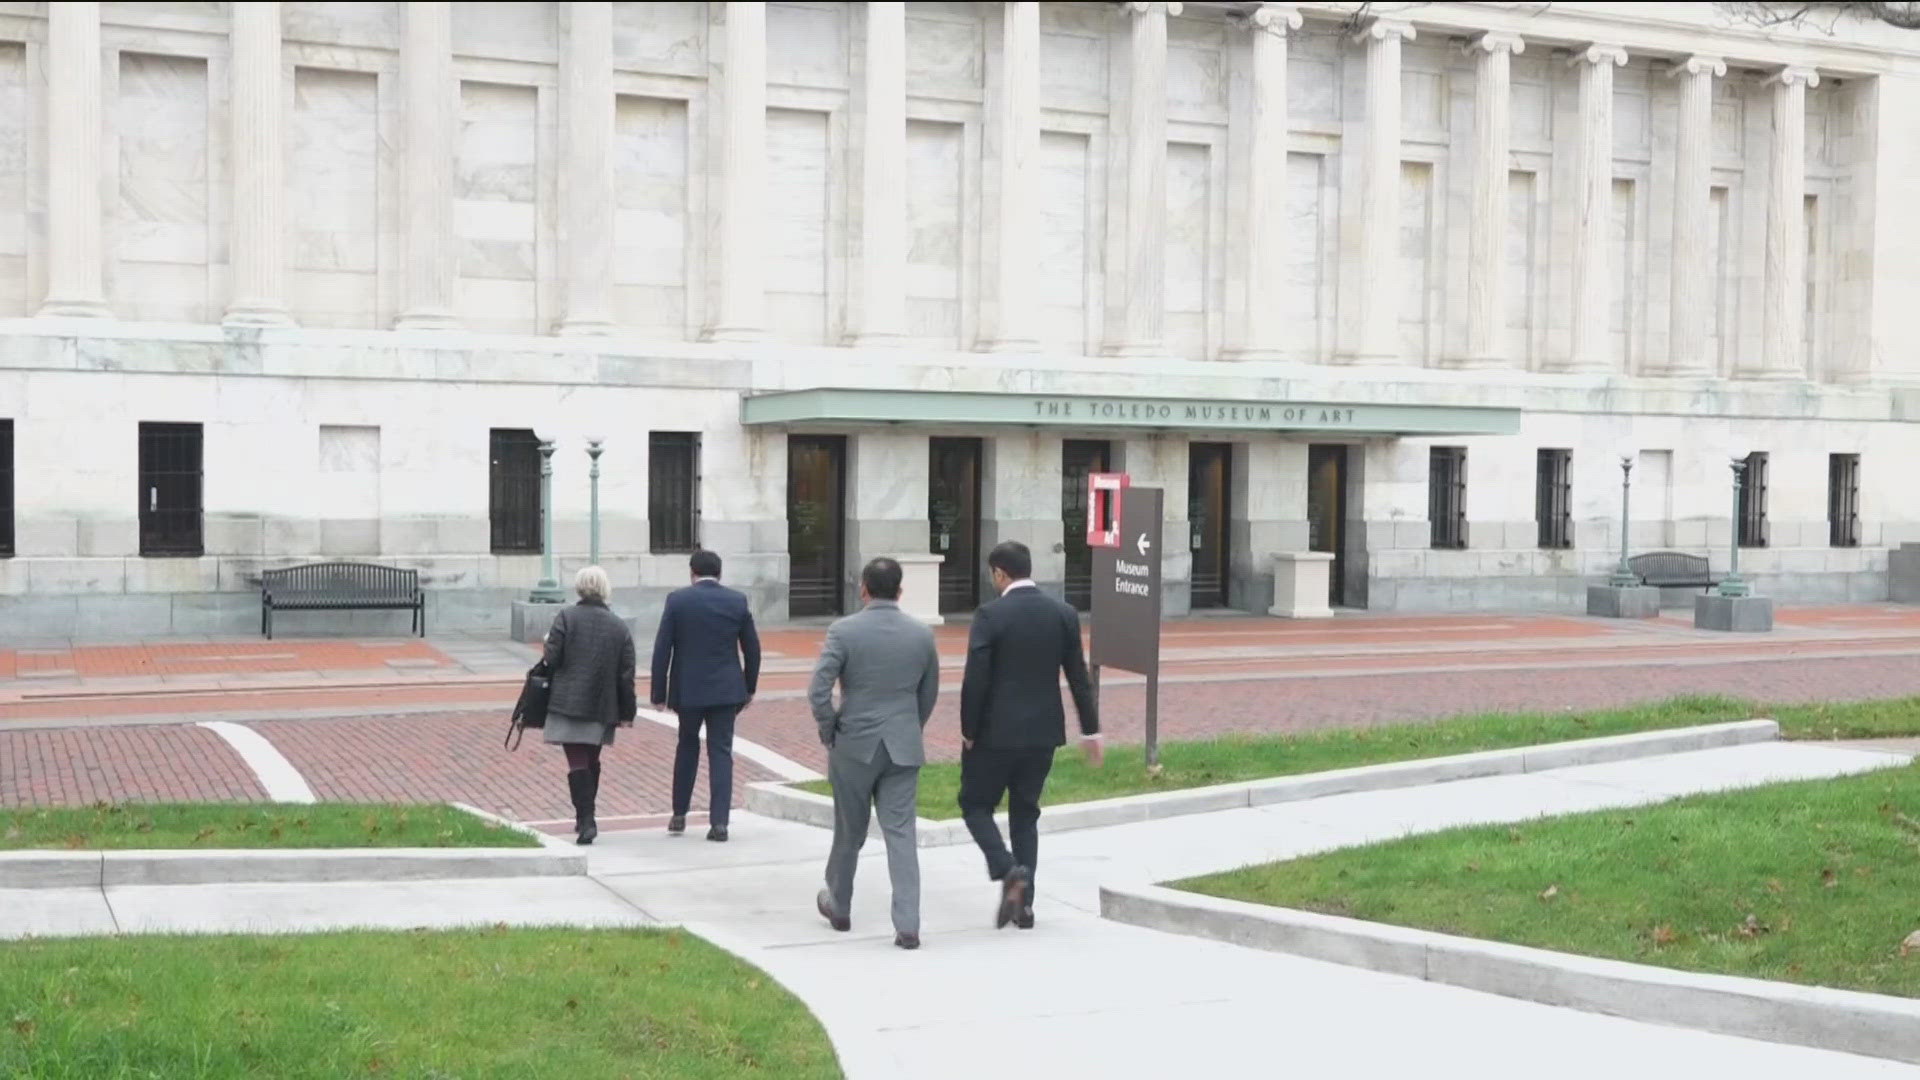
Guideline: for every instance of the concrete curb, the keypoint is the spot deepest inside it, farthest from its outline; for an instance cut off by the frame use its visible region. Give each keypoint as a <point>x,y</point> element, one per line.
<point>778,800</point>
<point>102,869</point>
<point>1849,1021</point>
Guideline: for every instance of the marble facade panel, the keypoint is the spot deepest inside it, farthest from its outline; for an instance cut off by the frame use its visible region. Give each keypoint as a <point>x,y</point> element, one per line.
<point>668,37</point>
<point>807,44</point>
<point>799,164</point>
<point>334,198</point>
<point>651,218</point>
<point>1069,255</point>
<point>935,231</point>
<point>1190,244</point>
<point>946,50</point>
<point>366,24</point>
<point>162,239</point>
<point>14,184</point>
<point>496,206</point>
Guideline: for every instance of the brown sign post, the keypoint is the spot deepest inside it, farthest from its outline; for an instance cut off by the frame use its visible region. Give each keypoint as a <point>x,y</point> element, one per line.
<point>1126,603</point>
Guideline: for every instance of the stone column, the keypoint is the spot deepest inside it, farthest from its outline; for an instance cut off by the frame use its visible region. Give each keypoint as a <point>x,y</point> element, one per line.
<point>1693,269</point>
<point>1593,284</point>
<point>75,280</point>
<point>1258,242</point>
<point>882,314</point>
<point>1377,304</point>
<point>259,170</point>
<point>426,73</point>
<point>1487,248</point>
<point>741,311</point>
<point>586,73</point>
<point>1141,286</point>
<point>1784,322</point>
<point>1008,312</point>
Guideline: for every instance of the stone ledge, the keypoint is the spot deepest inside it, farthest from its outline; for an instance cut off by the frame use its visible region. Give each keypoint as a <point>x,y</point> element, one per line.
<point>47,870</point>
<point>1848,1021</point>
<point>786,803</point>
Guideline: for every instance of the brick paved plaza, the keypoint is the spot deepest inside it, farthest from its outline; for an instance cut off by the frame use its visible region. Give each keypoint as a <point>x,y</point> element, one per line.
<point>384,720</point>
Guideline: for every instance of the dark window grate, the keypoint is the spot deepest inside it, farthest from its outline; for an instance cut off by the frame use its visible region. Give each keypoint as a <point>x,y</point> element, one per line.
<point>1753,501</point>
<point>6,487</point>
<point>170,489</point>
<point>1553,498</point>
<point>1843,500</point>
<point>513,476</point>
<point>673,491</point>
<point>1447,495</point>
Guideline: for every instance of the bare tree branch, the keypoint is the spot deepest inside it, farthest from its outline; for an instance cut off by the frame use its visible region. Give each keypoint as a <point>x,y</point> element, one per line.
<point>1825,15</point>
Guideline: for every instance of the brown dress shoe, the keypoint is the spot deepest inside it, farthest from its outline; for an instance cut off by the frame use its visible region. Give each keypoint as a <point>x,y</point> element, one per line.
<point>1013,896</point>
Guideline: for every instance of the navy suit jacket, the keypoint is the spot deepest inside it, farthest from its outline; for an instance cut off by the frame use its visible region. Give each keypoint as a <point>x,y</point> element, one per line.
<point>706,653</point>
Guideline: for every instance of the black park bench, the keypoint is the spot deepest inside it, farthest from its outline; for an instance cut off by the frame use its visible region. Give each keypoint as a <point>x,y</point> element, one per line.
<point>1673,570</point>
<point>341,586</point>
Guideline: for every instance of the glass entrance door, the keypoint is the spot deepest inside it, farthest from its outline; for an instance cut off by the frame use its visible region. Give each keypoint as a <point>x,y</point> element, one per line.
<point>953,519</point>
<point>1327,513</point>
<point>816,523</point>
<point>1209,515</point>
<point>1079,457</point>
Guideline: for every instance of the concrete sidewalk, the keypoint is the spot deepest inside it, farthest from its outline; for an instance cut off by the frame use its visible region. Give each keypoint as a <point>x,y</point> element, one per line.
<point>1078,996</point>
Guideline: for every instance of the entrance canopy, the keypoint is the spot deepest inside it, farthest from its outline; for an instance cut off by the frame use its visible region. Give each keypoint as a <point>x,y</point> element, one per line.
<point>848,406</point>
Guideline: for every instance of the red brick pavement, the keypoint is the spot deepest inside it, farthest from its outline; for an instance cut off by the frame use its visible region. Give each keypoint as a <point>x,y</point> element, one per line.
<point>458,758</point>
<point>81,766</point>
<point>220,658</point>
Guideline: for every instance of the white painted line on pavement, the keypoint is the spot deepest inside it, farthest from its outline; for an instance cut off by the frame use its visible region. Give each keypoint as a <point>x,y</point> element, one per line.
<point>776,763</point>
<point>283,782</point>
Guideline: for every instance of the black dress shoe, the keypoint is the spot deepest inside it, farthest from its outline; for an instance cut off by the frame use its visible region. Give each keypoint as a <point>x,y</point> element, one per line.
<point>717,833</point>
<point>676,824</point>
<point>823,903</point>
<point>1024,920</point>
<point>908,942</point>
<point>1013,896</point>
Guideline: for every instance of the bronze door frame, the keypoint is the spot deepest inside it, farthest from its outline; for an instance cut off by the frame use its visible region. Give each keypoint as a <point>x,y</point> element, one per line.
<point>1210,521</point>
<point>819,592</point>
<point>954,467</point>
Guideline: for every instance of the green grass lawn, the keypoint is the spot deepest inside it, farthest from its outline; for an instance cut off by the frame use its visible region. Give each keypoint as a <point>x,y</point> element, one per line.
<point>1249,757</point>
<point>1813,882</point>
<point>579,1004</point>
<point>222,825</point>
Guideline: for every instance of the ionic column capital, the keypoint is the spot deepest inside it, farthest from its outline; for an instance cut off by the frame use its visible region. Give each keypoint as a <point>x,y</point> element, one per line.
<point>1599,55</point>
<point>1382,29</point>
<point>1793,76</point>
<point>1699,65</point>
<point>1137,8</point>
<point>1275,18</point>
<point>1496,42</point>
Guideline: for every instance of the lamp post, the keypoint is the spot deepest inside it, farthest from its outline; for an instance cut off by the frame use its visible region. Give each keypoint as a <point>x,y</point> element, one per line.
<point>1623,575</point>
<point>1732,586</point>
<point>594,450</point>
<point>547,590</point>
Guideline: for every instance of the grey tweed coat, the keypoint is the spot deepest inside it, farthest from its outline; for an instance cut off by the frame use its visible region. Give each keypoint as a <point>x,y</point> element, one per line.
<point>590,654</point>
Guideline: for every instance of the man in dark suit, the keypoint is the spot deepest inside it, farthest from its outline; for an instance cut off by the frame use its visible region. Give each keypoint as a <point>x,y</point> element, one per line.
<point>706,632</point>
<point>1011,720</point>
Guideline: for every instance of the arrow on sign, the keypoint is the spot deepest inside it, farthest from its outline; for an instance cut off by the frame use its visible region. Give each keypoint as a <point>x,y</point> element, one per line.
<point>1142,544</point>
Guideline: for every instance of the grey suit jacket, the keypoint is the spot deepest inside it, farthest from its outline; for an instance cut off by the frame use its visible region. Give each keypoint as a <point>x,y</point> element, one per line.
<point>889,676</point>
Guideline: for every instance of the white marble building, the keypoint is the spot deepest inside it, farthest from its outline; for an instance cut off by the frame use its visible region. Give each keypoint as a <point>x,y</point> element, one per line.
<point>834,280</point>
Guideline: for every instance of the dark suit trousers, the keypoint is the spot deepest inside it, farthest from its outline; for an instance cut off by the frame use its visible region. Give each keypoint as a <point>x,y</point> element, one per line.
<point>686,760</point>
<point>986,774</point>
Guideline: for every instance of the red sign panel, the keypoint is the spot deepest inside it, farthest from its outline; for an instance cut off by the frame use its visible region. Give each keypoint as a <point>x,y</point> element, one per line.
<point>1103,508</point>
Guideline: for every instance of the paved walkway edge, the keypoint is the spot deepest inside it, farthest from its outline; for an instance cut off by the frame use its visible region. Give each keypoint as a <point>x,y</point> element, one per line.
<point>778,800</point>
<point>1871,1024</point>
<point>103,869</point>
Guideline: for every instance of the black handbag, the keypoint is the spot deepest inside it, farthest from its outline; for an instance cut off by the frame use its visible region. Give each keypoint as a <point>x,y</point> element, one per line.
<point>531,710</point>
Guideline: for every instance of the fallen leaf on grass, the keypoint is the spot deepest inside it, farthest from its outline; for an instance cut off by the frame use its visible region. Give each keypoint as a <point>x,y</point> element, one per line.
<point>1775,886</point>
<point>1911,945</point>
<point>1664,935</point>
<point>23,1026</point>
<point>1552,891</point>
<point>1828,878</point>
<point>1750,927</point>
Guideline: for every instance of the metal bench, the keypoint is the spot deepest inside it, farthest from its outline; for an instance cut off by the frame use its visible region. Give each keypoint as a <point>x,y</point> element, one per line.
<point>341,586</point>
<point>1673,570</point>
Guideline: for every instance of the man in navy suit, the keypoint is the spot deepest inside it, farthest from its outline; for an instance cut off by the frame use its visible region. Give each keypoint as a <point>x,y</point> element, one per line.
<point>706,632</point>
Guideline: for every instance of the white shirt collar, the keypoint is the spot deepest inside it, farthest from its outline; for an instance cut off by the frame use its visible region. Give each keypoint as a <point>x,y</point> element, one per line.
<point>1023,583</point>
<point>713,580</point>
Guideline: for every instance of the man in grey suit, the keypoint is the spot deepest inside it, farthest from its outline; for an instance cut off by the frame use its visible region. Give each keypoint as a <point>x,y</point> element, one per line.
<point>889,676</point>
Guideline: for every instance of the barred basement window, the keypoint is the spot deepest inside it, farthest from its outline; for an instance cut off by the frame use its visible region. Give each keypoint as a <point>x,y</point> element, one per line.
<point>1753,501</point>
<point>673,491</point>
<point>6,487</point>
<point>1843,500</point>
<point>170,487</point>
<point>1553,498</point>
<point>1447,495</point>
<point>513,477</point>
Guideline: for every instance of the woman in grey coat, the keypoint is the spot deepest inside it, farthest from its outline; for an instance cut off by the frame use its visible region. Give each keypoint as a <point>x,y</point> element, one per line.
<point>590,658</point>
